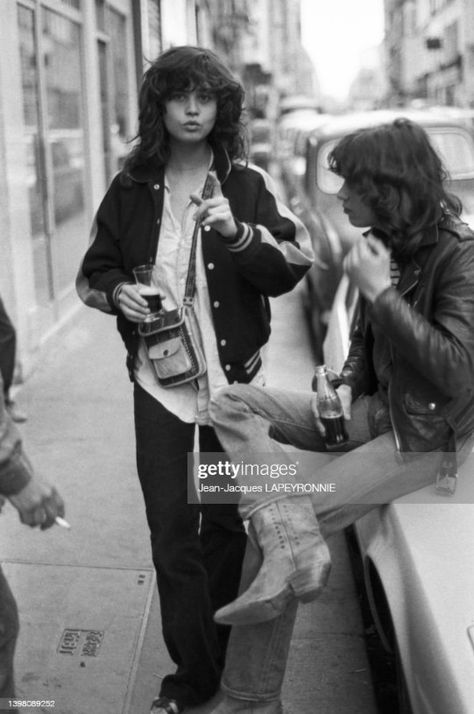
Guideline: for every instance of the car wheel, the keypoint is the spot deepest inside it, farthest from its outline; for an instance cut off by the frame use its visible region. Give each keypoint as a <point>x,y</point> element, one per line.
<point>404,705</point>
<point>388,680</point>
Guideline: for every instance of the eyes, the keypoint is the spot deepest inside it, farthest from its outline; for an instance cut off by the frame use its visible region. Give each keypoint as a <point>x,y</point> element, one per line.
<point>201,96</point>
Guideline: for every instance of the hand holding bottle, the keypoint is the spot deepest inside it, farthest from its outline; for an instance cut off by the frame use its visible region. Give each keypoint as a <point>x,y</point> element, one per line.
<point>330,409</point>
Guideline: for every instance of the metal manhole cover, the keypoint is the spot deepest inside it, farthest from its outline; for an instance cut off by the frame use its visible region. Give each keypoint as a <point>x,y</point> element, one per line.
<point>80,634</point>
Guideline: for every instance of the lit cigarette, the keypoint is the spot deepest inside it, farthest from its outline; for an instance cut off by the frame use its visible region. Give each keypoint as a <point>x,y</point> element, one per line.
<point>62,522</point>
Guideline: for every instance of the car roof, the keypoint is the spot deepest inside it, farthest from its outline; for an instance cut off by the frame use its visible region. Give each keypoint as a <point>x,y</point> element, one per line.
<point>303,117</point>
<point>347,123</point>
<point>296,102</point>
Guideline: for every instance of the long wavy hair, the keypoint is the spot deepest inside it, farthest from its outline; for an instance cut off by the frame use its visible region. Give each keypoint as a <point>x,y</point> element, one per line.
<point>179,69</point>
<point>399,175</point>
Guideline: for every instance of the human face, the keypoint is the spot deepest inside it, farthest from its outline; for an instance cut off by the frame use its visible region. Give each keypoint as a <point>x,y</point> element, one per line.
<point>358,212</point>
<point>190,115</point>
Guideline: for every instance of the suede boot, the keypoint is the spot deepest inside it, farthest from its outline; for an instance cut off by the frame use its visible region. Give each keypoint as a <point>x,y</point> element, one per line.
<point>296,563</point>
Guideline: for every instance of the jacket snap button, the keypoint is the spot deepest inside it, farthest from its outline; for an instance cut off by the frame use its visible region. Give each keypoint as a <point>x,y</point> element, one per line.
<point>223,343</point>
<point>227,368</point>
<point>210,266</point>
<point>431,406</point>
<point>156,186</point>
<point>216,303</point>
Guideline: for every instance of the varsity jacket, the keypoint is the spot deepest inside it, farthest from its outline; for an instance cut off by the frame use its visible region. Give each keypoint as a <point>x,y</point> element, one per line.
<point>270,253</point>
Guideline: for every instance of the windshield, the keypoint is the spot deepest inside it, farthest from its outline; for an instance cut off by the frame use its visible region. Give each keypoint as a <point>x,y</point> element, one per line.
<point>456,150</point>
<point>455,147</point>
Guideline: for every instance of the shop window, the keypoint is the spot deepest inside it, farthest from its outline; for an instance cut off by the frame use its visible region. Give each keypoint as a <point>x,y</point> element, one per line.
<point>35,177</point>
<point>114,89</point>
<point>155,44</point>
<point>65,143</point>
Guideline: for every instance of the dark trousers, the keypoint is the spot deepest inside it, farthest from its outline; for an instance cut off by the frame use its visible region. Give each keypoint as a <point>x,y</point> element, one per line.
<point>7,348</point>
<point>197,550</point>
<point>8,635</point>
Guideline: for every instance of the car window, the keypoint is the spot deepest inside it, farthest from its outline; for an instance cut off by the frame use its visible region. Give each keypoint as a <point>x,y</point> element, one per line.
<point>326,179</point>
<point>456,149</point>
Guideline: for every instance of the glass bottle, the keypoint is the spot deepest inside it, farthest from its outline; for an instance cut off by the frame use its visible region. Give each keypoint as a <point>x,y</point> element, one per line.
<point>330,408</point>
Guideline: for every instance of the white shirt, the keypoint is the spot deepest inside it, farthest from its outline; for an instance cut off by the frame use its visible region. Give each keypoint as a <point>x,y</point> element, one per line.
<point>185,401</point>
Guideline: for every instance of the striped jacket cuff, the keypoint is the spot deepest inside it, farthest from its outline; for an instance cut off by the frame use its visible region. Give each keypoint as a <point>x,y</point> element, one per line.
<point>242,239</point>
<point>252,365</point>
<point>116,292</point>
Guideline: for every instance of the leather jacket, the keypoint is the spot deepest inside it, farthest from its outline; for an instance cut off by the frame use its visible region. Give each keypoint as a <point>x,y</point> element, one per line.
<point>429,322</point>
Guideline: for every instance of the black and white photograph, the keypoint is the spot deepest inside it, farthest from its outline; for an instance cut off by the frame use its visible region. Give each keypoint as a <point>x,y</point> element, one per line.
<point>237,356</point>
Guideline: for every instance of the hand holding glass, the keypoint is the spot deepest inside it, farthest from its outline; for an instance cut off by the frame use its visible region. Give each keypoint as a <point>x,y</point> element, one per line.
<point>144,276</point>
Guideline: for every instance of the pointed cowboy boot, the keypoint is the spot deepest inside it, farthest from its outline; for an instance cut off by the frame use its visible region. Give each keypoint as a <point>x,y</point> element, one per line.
<point>296,563</point>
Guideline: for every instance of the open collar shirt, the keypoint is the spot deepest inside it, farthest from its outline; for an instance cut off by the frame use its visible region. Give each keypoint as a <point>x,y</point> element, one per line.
<point>184,401</point>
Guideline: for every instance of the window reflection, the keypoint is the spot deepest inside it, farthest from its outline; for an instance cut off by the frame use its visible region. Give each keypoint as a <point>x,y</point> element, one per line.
<point>113,72</point>
<point>62,66</point>
<point>34,157</point>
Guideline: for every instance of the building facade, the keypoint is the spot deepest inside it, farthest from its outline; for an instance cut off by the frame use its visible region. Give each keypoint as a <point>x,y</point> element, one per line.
<point>430,51</point>
<point>261,40</point>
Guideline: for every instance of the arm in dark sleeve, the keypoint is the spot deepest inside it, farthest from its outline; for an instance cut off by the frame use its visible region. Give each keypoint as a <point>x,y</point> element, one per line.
<point>274,252</point>
<point>355,372</point>
<point>441,349</point>
<point>101,273</point>
<point>15,468</point>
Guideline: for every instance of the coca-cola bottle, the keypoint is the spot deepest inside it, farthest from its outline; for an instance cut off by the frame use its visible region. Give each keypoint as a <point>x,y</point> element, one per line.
<point>330,408</point>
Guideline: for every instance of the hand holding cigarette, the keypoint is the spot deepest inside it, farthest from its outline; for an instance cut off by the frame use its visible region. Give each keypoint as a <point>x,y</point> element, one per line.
<point>215,213</point>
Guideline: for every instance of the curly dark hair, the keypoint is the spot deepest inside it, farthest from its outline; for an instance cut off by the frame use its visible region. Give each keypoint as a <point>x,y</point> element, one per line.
<point>183,69</point>
<point>399,176</point>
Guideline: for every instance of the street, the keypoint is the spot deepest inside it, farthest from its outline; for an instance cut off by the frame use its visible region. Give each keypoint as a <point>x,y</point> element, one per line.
<point>90,634</point>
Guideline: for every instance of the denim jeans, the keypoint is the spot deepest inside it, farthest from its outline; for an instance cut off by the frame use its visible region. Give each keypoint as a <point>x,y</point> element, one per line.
<point>371,473</point>
<point>197,552</point>
<point>8,635</point>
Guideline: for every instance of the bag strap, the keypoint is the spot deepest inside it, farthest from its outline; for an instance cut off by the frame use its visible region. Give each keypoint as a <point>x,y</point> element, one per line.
<point>207,192</point>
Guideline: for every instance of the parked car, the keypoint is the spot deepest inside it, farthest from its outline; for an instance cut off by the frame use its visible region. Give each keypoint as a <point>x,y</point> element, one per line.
<point>417,557</point>
<point>261,142</point>
<point>314,197</point>
<point>298,102</point>
<point>291,133</point>
<point>417,554</point>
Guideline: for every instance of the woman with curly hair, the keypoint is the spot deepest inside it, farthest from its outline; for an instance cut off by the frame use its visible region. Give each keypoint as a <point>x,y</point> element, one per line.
<point>249,247</point>
<point>406,391</point>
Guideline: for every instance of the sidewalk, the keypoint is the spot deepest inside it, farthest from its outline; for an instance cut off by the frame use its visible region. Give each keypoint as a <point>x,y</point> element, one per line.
<point>90,633</point>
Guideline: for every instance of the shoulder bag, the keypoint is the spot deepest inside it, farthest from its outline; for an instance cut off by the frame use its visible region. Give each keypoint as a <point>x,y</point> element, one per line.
<point>172,338</point>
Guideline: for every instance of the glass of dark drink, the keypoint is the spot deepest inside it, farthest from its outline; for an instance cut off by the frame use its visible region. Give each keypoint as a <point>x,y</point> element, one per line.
<point>145,279</point>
